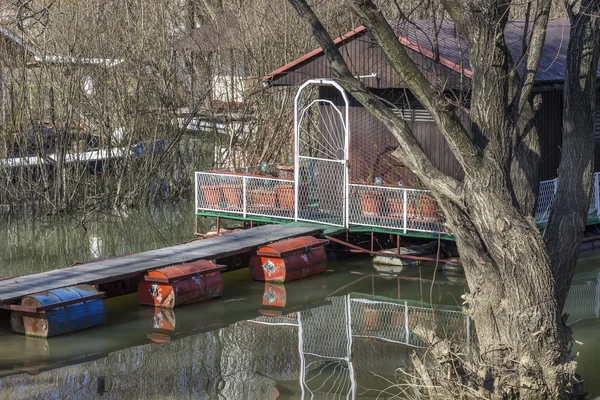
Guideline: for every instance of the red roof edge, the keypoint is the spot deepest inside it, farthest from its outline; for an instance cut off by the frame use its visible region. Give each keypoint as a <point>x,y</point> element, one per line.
<point>429,54</point>
<point>313,53</point>
<point>406,42</point>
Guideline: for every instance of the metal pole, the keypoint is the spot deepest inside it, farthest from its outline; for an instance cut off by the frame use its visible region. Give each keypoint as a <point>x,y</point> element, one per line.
<point>301,352</point>
<point>346,159</point>
<point>468,331</point>
<point>244,195</point>
<point>197,176</point>
<point>597,188</point>
<point>598,296</point>
<point>406,330</point>
<point>297,150</point>
<point>404,208</point>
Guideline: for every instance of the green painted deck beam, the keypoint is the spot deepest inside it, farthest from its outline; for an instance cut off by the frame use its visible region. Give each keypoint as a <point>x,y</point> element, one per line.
<point>333,230</point>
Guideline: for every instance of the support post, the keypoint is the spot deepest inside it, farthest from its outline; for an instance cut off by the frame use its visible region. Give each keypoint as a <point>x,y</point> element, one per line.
<point>406,330</point>
<point>404,200</point>
<point>196,192</point>
<point>218,225</point>
<point>244,196</point>
<point>597,190</point>
<point>468,332</point>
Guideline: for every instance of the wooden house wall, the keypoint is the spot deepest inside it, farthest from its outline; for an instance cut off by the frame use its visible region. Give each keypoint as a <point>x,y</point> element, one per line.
<point>365,57</point>
<point>372,144</point>
<point>548,122</point>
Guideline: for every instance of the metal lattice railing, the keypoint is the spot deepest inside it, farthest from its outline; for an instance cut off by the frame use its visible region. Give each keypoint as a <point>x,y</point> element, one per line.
<point>583,301</point>
<point>548,191</point>
<point>394,207</point>
<point>545,199</point>
<point>245,195</point>
<point>321,197</point>
<point>396,321</point>
<point>321,191</point>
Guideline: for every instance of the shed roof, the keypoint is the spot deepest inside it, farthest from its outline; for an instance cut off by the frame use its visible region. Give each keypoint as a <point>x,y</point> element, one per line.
<point>418,36</point>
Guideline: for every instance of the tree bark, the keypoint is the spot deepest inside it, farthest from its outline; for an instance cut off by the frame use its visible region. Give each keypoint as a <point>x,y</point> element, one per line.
<point>570,207</point>
<point>517,281</point>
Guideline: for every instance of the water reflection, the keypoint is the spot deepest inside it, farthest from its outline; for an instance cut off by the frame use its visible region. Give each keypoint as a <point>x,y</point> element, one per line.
<point>341,334</point>
<point>328,342</point>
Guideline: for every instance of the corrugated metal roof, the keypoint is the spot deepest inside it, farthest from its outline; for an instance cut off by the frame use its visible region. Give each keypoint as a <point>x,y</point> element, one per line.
<point>552,63</point>
<point>418,36</point>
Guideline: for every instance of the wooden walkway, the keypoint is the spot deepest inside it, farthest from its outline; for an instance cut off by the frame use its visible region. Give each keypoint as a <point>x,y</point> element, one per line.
<point>132,265</point>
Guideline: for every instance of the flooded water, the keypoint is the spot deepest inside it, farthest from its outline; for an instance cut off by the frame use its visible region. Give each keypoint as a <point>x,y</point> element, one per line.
<point>342,334</point>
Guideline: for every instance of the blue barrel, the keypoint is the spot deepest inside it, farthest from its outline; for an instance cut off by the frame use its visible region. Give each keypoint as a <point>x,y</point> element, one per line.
<point>62,319</point>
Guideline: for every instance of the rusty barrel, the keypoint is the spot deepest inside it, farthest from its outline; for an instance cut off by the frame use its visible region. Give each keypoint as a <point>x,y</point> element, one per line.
<point>181,284</point>
<point>289,260</point>
<point>57,311</point>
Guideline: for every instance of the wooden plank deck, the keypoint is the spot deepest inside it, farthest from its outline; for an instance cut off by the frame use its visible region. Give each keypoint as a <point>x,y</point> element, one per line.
<point>135,264</point>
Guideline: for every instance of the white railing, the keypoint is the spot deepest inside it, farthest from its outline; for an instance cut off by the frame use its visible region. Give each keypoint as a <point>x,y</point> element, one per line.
<point>548,191</point>
<point>395,321</point>
<point>394,207</point>
<point>387,207</point>
<point>245,195</point>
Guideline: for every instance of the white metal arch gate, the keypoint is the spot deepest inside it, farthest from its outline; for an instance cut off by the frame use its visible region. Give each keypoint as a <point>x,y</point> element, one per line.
<point>321,158</point>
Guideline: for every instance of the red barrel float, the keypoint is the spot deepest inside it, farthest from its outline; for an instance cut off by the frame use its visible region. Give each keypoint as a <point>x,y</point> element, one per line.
<point>58,311</point>
<point>289,260</point>
<point>181,284</point>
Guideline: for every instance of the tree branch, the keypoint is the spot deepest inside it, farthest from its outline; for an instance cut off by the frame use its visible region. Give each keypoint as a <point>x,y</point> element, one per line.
<point>459,141</point>
<point>410,151</point>
<point>535,48</point>
<point>569,212</point>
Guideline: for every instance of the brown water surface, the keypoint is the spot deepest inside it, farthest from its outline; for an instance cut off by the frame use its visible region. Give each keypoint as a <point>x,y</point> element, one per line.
<point>342,334</point>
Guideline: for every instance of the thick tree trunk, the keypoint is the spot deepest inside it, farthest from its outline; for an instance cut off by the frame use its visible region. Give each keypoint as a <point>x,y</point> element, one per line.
<point>567,222</point>
<point>511,297</point>
<point>517,282</point>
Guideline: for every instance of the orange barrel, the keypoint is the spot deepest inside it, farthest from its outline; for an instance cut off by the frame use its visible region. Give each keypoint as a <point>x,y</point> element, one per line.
<point>58,311</point>
<point>181,284</point>
<point>289,260</point>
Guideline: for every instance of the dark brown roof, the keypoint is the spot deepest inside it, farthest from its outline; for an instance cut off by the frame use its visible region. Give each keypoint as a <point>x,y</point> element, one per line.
<point>417,35</point>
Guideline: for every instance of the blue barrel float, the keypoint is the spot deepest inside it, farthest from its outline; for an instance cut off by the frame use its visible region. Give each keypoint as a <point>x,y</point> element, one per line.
<point>58,311</point>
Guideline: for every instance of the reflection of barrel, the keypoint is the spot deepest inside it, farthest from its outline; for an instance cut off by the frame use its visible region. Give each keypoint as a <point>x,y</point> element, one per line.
<point>51,318</point>
<point>164,325</point>
<point>181,284</point>
<point>289,260</point>
<point>274,295</point>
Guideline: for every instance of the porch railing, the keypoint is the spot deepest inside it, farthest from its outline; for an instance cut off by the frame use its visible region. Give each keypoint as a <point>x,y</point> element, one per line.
<point>394,207</point>
<point>386,207</point>
<point>548,191</point>
<point>245,195</point>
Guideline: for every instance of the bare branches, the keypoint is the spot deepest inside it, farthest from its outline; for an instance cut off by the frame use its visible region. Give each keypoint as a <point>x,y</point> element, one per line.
<point>534,50</point>
<point>410,151</point>
<point>442,111</point>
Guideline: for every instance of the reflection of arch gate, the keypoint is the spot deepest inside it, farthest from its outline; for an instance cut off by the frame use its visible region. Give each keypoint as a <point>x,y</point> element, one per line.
<point>321,133</point>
